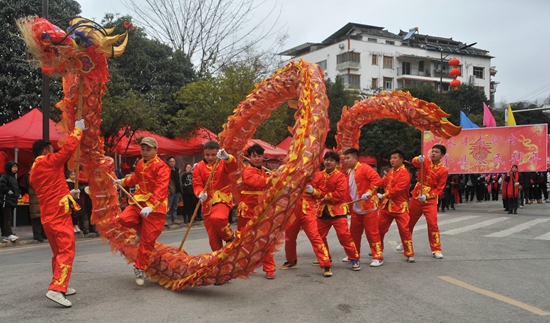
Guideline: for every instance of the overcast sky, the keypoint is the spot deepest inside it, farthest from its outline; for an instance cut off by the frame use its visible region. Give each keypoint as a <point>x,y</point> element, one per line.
<point>514,32</point>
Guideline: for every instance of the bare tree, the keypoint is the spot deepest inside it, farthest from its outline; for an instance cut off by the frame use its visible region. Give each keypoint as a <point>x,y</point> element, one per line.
<point>211,32</point>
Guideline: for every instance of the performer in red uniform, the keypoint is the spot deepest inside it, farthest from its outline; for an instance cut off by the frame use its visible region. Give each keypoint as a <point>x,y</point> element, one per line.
<point>151,178</point>
<point>48,179</point>
<point>364,214</point>
<point>424,200</point>
<point>330,187</point>
<point>216,199</point>
<point>395,202</point>
<point>306,219</point>
<point>253,188</point>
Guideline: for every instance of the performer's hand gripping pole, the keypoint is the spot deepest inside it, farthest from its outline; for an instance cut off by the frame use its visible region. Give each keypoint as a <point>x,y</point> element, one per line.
<point>126,192</point>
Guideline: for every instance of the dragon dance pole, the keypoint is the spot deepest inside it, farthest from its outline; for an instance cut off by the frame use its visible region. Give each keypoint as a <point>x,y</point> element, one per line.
<point>125,191</point>
<point>78,117</point>
<point>422,164</point>
<point>198,205</point>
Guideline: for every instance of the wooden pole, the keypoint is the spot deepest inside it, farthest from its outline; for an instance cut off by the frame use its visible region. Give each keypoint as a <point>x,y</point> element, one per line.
<point>422,165</point>
<point>198,205</point>
<point>354,201</point>
<point>78,117</point>
<point>125,191</point>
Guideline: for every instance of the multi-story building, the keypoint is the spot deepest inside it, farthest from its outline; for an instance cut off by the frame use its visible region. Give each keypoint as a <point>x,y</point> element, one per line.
<point>371,58</point>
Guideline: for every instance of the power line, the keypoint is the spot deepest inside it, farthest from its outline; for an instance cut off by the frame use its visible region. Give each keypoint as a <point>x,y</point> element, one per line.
<point>534,92</point>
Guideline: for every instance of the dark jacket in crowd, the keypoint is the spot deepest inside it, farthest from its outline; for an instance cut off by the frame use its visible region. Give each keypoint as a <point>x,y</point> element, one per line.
<point>8,183</point>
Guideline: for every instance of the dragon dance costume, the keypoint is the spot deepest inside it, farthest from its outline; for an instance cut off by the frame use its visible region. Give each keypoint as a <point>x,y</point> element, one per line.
<point>218,204</point>
<point>435,179</point>
<point>253,188</point>
<point>48,180</point>
<point>151,179</point>
<point>364,214</point>
<point>332,210</point>
<point>394,205</point>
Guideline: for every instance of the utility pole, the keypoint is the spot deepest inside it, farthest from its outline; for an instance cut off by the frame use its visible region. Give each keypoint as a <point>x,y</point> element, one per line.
<point>45,90</point>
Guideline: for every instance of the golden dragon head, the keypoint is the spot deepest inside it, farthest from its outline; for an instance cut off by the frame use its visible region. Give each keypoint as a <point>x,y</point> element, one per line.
<point>83,48</point>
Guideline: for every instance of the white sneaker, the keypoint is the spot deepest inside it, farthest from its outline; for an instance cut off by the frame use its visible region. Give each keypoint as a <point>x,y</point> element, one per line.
<point>76,228</point>
<point>399,247</point>
<point>58,298</point>
<point>140,276</point>
<point>70,291</point>
<point>411,259</point>
<point>345,259</point>
<point>376,263</point>
<point>13,238</point>
<point>438,255</point>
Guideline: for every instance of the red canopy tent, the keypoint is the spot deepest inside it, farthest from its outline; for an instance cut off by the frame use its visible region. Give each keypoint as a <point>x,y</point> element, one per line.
<point>271,152</point>
<point>23,132</point>
<point>17,137</point>
<point>166,146</point>
<point>202,136</point>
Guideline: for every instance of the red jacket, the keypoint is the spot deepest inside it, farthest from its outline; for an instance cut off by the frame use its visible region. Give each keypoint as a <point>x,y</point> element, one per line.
<point>365,176</point>
<point>48,180</point>
<point>396,184</point>
<point>218,189</point>
<point>333,189</point>
<point>253,188</point>
<point>151,180</point>
<point>435,179</point>
<point>509,189</point>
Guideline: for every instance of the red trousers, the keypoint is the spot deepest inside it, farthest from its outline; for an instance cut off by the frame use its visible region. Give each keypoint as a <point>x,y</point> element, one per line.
<point>416,209</point>
<point>60,233</point>
<point>402,219</point>
<point>367,223</point>
<point>309,224</point>
<point>150,228</point>
<point>217,226</point>
<point>342,232</point>
<point>269,261</point>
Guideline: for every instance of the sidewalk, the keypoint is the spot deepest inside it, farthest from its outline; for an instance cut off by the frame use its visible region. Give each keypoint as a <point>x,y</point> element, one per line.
<point>24,233</point>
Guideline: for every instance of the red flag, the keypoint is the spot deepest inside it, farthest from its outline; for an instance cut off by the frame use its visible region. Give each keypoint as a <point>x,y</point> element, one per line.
<point>488,119</point>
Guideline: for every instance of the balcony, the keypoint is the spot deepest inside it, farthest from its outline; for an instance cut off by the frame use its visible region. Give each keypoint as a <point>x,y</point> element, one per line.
<point>493,70</point>
<point>348,65</point>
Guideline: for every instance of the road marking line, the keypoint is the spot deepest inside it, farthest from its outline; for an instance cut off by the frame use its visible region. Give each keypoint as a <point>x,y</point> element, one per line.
<point>474,226</point>
<point>496,296</point>
<point>462,218</point>
<point>517,228</point>
<point>543,237</point>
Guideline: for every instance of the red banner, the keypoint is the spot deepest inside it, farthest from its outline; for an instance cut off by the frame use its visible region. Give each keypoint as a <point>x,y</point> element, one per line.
<point>494,150</point>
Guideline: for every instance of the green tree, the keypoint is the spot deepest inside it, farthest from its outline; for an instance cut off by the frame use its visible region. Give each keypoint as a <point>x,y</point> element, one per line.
<point>128,113</point>
<point>469,98</point>
<point>151,70</point>
<point>21,83</point>
<point>209,102</point>
<point>531,117</point>
<point>338,97</point>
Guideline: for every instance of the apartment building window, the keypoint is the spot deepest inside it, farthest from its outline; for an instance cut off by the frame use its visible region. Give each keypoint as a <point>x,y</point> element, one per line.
<point>388,83</point>
<point>374,83</point>
<point>478,72</point>
<point>323,64</point>
<point>348,57</point>
<point>406,68</point>
<point>388,62</point>
<point>374,59</point>
<point>372,40</point>
<point>390,42</point>
<point>353,81</point>
<point>421,66</point>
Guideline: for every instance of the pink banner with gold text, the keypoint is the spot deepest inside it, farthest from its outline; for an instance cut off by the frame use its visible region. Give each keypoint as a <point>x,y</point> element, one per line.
<point>494,150</point>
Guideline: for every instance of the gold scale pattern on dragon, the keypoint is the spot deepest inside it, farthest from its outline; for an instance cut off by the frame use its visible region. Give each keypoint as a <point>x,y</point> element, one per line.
<point>79,56</point>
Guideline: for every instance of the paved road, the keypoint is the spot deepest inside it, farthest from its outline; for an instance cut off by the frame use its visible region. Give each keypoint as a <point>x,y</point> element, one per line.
<point>495,270</point>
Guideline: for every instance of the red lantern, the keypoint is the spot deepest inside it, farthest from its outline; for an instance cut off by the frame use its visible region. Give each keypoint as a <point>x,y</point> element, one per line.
<point>455,83</point>
<point>454,62</point>
<point>454,72</point>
